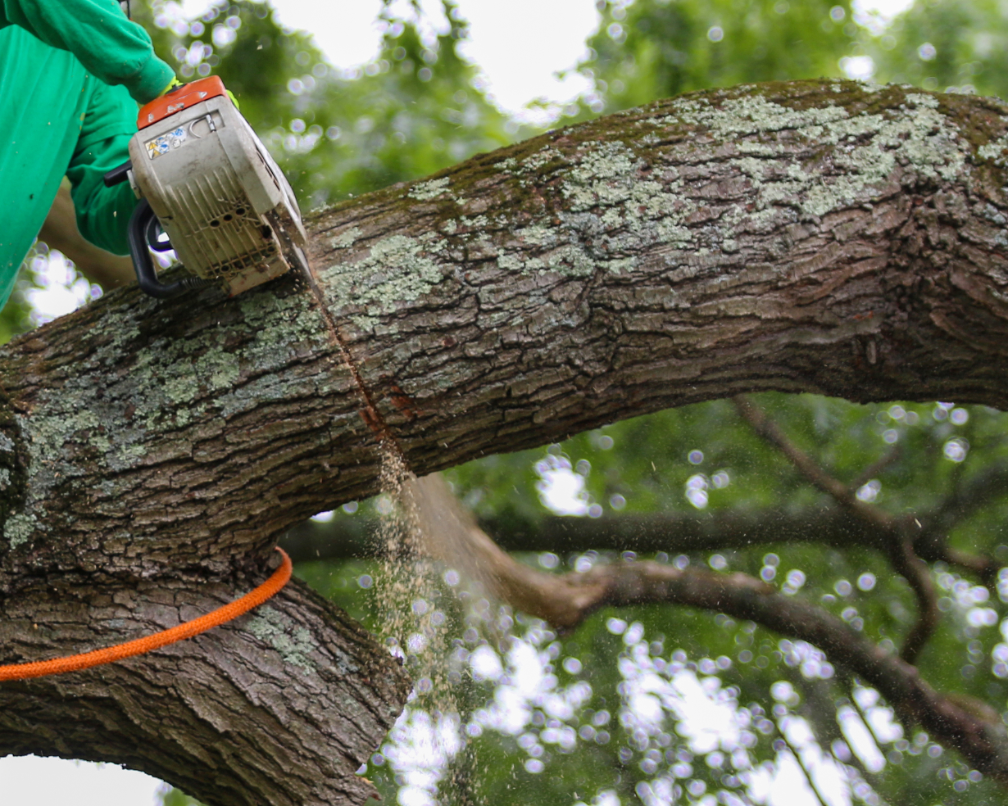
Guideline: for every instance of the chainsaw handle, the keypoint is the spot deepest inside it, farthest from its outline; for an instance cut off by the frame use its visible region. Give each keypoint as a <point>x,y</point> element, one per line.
<point>141,221</point>
<point>118,174</point>
<point>153,227</point>
<point>153,231</point>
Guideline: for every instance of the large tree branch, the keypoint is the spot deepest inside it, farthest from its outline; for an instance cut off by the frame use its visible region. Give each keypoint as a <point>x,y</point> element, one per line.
<point>287,700</point>
<point>820,237</point>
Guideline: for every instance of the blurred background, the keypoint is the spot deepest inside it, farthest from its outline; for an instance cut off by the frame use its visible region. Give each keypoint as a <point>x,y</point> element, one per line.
<point>656,705</point>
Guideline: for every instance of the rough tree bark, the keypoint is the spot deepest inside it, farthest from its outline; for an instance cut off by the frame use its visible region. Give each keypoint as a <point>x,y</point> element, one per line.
<point>825,237</point>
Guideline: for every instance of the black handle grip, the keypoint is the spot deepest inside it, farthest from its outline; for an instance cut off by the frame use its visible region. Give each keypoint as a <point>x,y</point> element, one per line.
<point>154,232</point>
<point>143,220</point>
<point>117,175</point>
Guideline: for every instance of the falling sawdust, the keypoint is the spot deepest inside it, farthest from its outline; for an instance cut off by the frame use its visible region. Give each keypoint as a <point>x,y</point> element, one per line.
<point>406,583</point>
<point>422,529</point>
<point>410,542</point>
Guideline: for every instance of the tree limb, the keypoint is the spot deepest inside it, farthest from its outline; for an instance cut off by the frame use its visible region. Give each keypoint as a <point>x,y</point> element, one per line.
<point>566,600</point>
<point>819,236</point>
<point>836,489</point>
<point>674,532</point>
<point>288,700</point>
<point>898,542</point>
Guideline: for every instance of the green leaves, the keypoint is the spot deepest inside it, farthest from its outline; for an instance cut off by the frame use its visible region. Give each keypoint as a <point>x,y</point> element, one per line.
<point>946,45</point>
<point>650,50</point>
<point>410,112</point>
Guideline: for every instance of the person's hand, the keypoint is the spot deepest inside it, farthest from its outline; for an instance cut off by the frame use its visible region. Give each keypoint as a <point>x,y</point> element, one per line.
<point>174,84</point>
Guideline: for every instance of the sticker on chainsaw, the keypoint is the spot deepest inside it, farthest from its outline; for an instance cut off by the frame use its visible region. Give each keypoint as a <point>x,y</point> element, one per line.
<point>166,142</point>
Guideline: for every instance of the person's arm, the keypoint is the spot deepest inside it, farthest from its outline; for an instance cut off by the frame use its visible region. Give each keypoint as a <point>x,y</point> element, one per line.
<point>103,213</point>
<point>110,46</point>
<point>60,231</point>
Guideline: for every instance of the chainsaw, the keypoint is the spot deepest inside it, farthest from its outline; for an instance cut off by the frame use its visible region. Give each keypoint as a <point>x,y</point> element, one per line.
<point>210,191</point>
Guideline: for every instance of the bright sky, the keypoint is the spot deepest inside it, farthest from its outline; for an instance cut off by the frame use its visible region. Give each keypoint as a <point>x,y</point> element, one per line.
<point>54,782</point>
<point>520,45</point>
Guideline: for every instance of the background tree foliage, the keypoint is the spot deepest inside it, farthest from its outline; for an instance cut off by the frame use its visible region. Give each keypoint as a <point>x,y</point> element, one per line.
<point>657,704</point>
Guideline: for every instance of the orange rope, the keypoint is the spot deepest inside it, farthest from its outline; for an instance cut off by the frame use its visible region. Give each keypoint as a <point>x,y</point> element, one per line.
<point>72,663</point>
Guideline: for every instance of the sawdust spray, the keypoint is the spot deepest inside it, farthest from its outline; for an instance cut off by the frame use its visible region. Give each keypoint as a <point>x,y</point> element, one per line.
<point>417,612</point>
<point>409,588</point>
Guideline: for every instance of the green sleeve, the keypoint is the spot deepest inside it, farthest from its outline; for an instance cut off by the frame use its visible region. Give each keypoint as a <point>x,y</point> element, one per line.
<point>103,213</point>
<point>110,46</point>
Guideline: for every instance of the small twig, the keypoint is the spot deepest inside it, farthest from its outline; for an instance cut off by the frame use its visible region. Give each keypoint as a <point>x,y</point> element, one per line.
<point>918,575</point>
<point>876,468</point>
<point>773,434</point>
<point>900,545</point>
<point>966,498</point>
<point>986,568</point>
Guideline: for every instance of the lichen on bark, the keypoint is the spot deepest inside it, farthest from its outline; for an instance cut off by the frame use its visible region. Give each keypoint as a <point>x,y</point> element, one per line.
<point>818,236</point>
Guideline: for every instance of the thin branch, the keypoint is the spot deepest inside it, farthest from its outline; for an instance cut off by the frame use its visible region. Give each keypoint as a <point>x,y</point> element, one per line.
<point>347,537</point>
<point>899,543</point>
<point>983,566</point>
<point>574,596</point>
<point>875,468</point>
<point>833,487</point>
<point>966,499</point>
<point>448,533</point>
<point>918,575</point>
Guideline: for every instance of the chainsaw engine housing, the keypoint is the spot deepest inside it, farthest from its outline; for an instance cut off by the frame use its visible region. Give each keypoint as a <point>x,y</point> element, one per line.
<point>224,203</point>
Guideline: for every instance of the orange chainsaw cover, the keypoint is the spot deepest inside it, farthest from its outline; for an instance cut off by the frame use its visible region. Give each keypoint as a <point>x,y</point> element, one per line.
<point>178,99</point>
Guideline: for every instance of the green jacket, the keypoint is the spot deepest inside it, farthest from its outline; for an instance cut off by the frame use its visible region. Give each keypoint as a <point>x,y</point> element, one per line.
<point>67,71</point>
